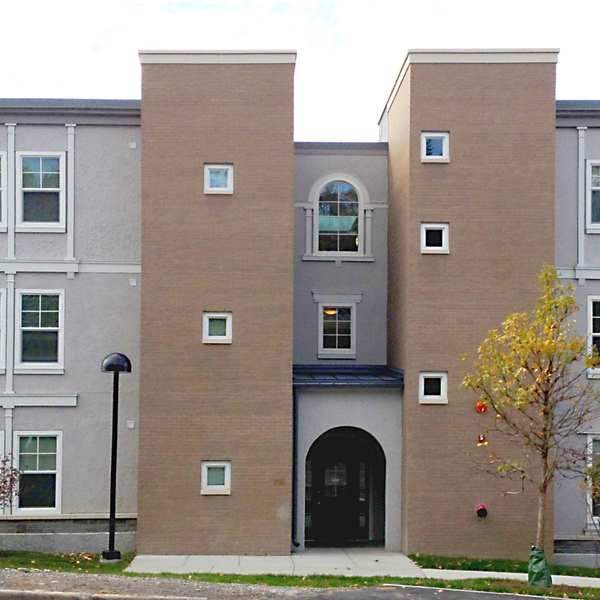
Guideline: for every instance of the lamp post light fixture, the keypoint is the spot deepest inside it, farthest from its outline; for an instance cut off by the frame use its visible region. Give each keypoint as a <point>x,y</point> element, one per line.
<point>117,363</point>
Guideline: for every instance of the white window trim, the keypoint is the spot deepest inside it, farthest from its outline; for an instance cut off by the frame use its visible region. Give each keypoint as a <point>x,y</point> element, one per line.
<point>4,191</point>
<point>42,227</point>
<point>58,493</point>
<point>591,373</point>
<point>439,135</point>
<point>312,251</point>
<point>221,167</point>
<point>338,301</point>
<point>217,339</point>
<point>24,368</point>
<point>445,247</point>
<point>591,519</point>
<point>589,226</point>
<point>443,397</point>
<point>215,490</point>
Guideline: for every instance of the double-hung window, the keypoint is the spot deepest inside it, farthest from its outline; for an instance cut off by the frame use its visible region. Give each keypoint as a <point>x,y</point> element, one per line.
<point>38,458</point>
<point>3,191</point>
<point>594,329</point>
<point>337,325</point>
<point>40,331</point>
<point>41,203</point>
<point>593,196</point>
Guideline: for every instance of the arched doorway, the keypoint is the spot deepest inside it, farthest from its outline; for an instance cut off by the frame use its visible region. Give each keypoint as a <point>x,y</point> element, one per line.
<point>345,489</point>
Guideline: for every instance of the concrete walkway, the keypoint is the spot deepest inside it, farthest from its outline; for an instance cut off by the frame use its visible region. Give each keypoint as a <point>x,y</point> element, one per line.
<point>351,562</point>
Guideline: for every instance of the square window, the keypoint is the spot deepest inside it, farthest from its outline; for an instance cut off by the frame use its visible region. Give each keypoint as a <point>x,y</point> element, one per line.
<point>217,328</point>
<point>433,388</point>
<point>218,179</point>
<point>215,478</point>
<point>40,333</point>
<point>39,459</point>
<point>435,238</point>
<point>41,185</point>
<point>435,147</point>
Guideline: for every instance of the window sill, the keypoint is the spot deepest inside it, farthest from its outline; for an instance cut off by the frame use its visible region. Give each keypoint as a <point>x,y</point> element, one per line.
<point>337,356</point>
<point>435,159</point>
<point>336,258</point>
<point>40,228</point>
<point>592,229</point>
<point>215,492</point>
<point>433,400</point>
<point>435,251</point>
<point>39,371</point>
<point>35,512</point>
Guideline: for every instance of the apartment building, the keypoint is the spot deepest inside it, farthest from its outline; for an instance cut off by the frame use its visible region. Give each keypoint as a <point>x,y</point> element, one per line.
<point>295,313</point>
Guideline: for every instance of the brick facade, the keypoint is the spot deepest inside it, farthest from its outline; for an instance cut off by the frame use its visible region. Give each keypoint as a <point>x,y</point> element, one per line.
<point>218,253</point>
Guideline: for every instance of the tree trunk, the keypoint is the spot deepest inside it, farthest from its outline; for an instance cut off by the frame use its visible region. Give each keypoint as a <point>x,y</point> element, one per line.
<point>541,522</point>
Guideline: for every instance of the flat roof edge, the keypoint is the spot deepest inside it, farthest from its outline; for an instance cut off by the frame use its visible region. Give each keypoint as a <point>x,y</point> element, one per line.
<point>212,57</point>
<point>469,56</point>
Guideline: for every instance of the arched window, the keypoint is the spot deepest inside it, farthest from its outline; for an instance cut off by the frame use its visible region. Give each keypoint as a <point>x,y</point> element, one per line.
<point>338,219</point>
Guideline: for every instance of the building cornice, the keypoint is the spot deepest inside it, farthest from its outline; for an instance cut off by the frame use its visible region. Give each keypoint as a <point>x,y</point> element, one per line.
<point>214,57</point>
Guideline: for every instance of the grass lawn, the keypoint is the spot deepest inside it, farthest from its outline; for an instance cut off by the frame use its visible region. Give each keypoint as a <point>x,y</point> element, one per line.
<point>89,563</point>
<point>506,566</point>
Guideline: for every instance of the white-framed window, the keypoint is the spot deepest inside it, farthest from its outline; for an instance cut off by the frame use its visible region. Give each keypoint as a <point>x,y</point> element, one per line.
<point>3,191</point>
<point>337,325</point>
<point>593,456</point>
<point>435,238</point>
<point>594,330</point>
<point>218,179</point>
<point>593,196</point>
<point>39,343</point>
<point>215,478</point>
<point>38,456</point>
<point>435,146</point>
<point>338,219</point>
<point>217,327</point>
<point>41,184</point>
<point>433,387</point>
<point>2,331</point>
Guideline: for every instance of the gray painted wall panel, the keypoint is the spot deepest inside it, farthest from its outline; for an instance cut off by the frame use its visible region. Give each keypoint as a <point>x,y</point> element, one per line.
<point>350,277</point>
<point>107,194</point>
<point>565,216</point>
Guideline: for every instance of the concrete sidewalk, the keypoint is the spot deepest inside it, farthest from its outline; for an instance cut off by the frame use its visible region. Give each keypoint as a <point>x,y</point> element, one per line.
<point>351,562</point>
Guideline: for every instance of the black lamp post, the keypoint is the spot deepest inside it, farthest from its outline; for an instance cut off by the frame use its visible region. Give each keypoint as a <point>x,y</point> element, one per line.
<point>117,363</point>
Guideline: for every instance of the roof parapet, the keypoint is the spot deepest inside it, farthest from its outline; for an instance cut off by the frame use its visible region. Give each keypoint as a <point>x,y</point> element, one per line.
<point>213,57</point>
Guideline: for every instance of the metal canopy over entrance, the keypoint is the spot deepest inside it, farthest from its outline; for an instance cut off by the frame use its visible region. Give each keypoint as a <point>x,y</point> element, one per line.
<point>345,489</point>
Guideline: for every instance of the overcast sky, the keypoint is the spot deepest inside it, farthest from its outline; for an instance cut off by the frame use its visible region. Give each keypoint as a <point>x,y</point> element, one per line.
<point>349,51</point>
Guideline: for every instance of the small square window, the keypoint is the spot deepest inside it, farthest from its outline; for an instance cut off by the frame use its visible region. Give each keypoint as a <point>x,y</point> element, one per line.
<point>215,478</point>
<point>217,328</point>
<point>433,388</point>
<point>218,179</point>
<point>435,147</point>
<point>434,238</point>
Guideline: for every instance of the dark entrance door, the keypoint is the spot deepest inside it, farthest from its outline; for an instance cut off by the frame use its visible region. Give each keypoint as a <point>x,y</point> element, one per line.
<point>344,489</point>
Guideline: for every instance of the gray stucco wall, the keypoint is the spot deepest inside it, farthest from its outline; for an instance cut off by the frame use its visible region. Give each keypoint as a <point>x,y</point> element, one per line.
<point>370,278</point>
<point>101,314</point>
<point>378,412</point>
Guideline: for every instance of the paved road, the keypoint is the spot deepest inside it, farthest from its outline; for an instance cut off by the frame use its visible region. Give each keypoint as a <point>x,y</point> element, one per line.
<point>407,593</point>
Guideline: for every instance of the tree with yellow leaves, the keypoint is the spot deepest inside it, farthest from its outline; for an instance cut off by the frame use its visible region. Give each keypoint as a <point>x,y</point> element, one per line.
<point>533,375</point>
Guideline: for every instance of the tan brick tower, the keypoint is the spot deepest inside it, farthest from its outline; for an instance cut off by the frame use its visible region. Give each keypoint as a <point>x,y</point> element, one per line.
<point>471,152</point>
<point>215,455</point>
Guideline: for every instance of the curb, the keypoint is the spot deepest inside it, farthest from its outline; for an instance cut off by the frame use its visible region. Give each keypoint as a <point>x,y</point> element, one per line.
<point>44,595</point>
